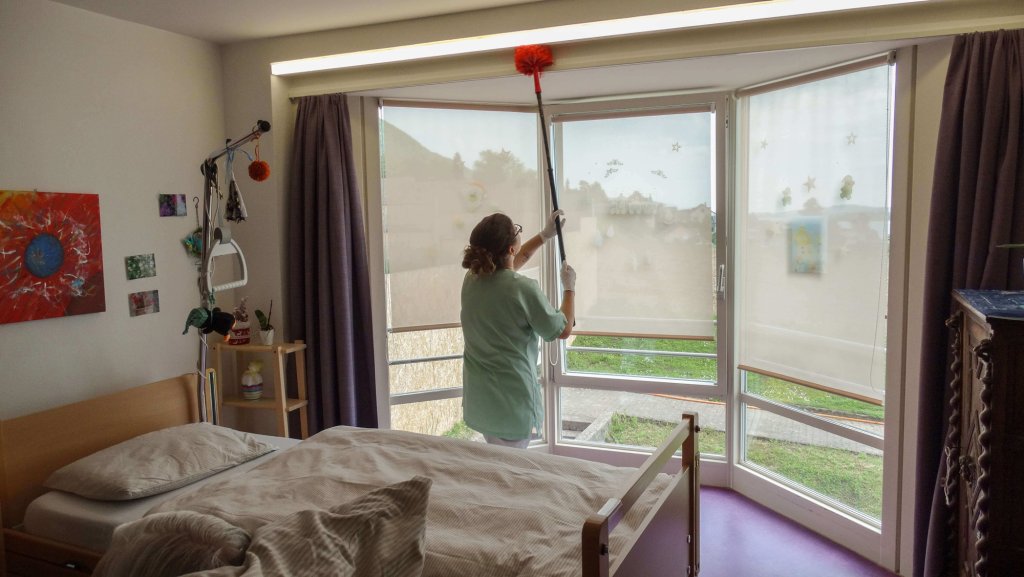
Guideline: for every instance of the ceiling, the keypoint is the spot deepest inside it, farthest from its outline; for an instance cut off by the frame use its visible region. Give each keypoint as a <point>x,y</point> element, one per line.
<point>224,22</point>
<point>708,74</point>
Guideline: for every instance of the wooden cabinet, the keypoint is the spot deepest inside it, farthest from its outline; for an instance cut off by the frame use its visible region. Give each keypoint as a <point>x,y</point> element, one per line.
<point>983,460</point>
<point>280,403</point>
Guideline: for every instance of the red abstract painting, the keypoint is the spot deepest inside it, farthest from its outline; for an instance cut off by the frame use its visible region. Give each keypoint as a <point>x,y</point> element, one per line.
<point>51,255</point>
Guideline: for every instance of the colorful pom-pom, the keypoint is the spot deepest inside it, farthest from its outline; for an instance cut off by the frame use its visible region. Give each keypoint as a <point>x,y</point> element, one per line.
<point>259,170</point>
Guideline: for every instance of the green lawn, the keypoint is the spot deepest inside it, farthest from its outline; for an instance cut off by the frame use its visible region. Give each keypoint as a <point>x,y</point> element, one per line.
<point>854,479</point>
<point>697,368</point>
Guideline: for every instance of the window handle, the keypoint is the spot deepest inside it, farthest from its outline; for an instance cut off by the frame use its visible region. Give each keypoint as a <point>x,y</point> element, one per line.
<point>721,281</point>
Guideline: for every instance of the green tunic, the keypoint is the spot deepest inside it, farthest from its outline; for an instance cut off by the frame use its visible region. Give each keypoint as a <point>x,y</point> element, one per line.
<point>502,315</point>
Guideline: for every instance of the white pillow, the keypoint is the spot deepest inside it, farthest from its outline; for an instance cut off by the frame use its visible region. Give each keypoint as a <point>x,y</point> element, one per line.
<point>380,533</point>
<point>172,544</point>
<point>157,462</point>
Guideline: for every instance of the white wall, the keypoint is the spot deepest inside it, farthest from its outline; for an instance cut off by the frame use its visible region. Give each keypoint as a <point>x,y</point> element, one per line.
<point>90,104</point>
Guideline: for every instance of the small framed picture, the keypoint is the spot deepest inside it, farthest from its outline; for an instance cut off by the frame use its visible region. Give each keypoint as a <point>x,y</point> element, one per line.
<point>172,205</point>
<point>140,266</point>
<point>144,303</point>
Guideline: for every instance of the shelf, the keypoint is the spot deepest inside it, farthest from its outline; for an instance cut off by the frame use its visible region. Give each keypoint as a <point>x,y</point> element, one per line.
<point>262,403</point>
<point>285,348</point>
<point>276,382</point>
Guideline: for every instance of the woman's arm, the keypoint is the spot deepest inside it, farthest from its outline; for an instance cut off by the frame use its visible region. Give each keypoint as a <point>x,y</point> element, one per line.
<point>569,310</point>
<point>529,247</point>
<point>526,251</point>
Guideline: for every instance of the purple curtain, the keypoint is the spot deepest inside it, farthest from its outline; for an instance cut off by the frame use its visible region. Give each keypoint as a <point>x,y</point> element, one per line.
<point>977,203</point>
<point>328,282</point>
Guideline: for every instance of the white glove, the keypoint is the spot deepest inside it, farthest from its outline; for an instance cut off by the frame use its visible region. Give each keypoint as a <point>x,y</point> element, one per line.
<point>550,231</point>
<point>568,277</point>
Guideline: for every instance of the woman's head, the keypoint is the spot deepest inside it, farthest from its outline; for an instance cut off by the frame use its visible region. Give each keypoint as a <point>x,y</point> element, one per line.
<point>493,240</point>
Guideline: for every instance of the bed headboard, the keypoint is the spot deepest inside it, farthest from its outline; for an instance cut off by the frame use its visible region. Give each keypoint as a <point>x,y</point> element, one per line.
<point>33,446</point>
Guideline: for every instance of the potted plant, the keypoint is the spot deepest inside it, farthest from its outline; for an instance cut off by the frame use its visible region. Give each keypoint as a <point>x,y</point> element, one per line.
<point>266,329</point>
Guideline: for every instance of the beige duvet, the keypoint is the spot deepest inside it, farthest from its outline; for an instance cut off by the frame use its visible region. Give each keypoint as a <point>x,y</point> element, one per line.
<point>493,511</point>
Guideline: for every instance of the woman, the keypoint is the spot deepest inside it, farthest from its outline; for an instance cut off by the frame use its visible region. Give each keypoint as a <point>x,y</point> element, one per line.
<point>503,314</point>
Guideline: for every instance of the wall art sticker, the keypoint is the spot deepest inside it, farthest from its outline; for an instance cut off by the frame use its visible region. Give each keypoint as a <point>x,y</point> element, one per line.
<point>172,205</point>
<point>140,266</point>
<point>144,303</point>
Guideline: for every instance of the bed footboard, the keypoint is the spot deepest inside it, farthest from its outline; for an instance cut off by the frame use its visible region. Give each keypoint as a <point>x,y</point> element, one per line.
<point>667,542</point>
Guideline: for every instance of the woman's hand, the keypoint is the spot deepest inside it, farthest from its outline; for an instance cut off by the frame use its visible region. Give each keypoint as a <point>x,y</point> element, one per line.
<point>550,229</point>
<point>568,277</point>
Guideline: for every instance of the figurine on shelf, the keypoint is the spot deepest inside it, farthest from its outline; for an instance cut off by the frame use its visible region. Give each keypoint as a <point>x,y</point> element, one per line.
<point>240,331</point>
<point>252,381</point>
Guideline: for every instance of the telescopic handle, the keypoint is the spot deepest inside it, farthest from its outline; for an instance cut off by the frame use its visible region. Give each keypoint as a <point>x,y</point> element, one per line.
<point>551,175</point>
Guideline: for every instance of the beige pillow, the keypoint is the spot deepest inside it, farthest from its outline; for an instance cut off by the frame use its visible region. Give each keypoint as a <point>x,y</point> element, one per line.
<point>378,534</point>
<point>157,462</point>
<point>172,544</point>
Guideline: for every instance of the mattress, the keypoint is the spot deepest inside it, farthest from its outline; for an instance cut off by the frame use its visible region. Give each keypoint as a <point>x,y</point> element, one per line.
<point>90,524</point>
<point>493,511</point>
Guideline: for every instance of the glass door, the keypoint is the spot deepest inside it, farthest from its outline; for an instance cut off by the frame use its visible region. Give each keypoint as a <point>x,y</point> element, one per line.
<point>813,227</point>
<point>642,186</point>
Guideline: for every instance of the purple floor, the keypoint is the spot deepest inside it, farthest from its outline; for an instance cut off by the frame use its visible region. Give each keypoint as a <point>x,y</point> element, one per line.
<point>741,538</point>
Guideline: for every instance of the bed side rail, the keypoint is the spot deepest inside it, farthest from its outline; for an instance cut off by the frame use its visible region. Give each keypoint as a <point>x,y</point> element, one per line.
<point>596,562</point>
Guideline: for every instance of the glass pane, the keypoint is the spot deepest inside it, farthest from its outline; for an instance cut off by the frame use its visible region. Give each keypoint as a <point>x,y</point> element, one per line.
<point>412,377</point>
<point>442,171</point>
<point>624,419</point>
<point>813,229</point>
<point>639,193</point>
<point>439,417</point>
<point>841,409</point>
<point>839,469</point>
<point>423,344</point>
<point>692,360</point>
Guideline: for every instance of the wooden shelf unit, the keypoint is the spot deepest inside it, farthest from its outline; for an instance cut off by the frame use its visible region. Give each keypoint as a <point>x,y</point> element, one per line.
<point>281,404</point>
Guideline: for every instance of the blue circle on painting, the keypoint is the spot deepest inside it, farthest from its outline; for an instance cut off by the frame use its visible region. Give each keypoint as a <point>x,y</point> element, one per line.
<point>44,255</point>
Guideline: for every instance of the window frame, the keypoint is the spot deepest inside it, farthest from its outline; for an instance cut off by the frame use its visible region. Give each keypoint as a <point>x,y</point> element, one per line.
<point>554,353</point>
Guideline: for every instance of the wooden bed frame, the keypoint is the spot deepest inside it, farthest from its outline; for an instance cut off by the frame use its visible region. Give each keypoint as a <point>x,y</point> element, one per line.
<point>33,446</point>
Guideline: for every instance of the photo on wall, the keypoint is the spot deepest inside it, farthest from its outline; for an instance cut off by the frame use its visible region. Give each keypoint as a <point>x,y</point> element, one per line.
<point>172,205</point>
<point>144,303</point>
<point>51,255</point>
<point>140,266</point>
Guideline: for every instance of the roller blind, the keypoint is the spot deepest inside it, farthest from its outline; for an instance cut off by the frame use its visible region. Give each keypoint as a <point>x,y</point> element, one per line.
<point>443,169</point>
<point>639,187</point>
<point>813,230</point>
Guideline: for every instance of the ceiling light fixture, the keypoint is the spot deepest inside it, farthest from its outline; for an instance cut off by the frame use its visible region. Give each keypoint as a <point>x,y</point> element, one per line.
<point>586,31</point>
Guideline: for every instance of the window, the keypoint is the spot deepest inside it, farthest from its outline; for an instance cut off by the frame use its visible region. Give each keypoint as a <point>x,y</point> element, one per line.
<point>442,170</point>
<point>813,228</point>
<point>641,183</point>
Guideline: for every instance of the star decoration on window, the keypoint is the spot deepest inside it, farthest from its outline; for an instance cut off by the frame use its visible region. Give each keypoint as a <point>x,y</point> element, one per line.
<point>676,147</point>
<point>764,143</point>
<point>809,184</point>
<point>851,139</point>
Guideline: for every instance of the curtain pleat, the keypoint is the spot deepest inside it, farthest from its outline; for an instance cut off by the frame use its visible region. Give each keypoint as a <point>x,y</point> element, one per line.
<point>328,293</point>
<point>977,204</point>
